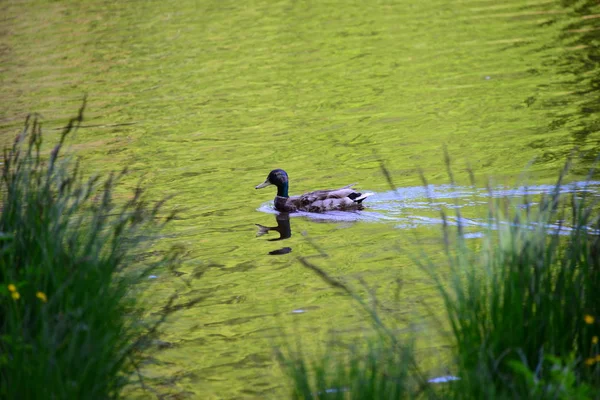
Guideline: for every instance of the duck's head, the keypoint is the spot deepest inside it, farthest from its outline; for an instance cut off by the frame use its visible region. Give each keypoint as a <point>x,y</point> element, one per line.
<point>279,178</point>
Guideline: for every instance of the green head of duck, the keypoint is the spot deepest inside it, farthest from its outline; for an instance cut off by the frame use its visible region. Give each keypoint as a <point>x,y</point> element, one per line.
<point>279,178</point>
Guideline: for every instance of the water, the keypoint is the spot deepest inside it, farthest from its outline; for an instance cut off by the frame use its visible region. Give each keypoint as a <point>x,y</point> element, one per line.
<point>202,100</point>
<point>414,207</point>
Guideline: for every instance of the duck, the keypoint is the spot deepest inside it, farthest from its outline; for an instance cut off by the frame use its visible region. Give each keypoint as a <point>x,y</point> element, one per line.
<point>342,199</point>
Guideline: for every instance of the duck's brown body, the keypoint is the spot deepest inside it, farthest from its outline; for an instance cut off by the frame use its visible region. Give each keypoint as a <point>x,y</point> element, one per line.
<point>342,199</point>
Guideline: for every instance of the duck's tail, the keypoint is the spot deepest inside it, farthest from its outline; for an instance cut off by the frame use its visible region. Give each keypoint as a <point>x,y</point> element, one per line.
<point>262,230</point>
<point>362,196</point>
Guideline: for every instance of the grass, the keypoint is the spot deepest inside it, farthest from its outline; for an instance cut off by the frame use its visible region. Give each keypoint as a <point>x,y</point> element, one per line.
<point>378,369</point>
<point>522,309</point>
<point>381,367</point>
<point>527,301</point>
<point>69,322</point>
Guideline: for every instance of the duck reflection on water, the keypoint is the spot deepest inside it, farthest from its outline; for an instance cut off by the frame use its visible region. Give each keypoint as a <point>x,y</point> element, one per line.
<point>284,229</point>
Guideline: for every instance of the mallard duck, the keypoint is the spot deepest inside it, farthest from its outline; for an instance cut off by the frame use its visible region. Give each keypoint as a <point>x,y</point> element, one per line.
<point>343,199</point>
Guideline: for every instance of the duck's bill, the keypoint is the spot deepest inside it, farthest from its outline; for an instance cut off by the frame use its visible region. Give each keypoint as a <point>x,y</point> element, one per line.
<point>264,184</point>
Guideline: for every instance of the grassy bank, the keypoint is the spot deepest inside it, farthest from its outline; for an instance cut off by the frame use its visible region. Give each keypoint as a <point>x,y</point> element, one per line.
<point>522,308</point>
<point>69,326</point>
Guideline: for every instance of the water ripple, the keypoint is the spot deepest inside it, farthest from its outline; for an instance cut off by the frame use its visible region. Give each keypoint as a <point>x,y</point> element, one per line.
<point>414,207</point>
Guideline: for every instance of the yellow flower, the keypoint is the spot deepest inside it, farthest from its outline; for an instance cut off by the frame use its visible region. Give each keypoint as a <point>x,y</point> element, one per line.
<point>588,319</point>
<point>594,339</point>
<point>598,358</point>
<point>590,361</point>
<point>15,295</point>
<point>12,288</point>
<point>42,297</point>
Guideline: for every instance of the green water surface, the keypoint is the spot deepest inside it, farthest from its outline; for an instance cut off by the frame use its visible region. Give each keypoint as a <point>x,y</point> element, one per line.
<point>201,99</point>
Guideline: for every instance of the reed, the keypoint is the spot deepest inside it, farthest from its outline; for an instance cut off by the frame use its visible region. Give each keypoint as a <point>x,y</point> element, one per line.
<point>69,320</point>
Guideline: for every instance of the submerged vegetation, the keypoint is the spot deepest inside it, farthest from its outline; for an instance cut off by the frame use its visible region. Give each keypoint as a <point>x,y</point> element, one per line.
<point>523,311</point>
<point>69,325</point>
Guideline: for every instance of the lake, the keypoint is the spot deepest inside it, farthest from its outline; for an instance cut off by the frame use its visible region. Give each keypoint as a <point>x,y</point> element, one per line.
<point>201,99</point>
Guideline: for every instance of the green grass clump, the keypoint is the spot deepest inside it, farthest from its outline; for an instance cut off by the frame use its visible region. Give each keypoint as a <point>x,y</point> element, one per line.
<point>523,311</point>
<point>68,322</point>
<point>526,304</point>
<point>376,370</point>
